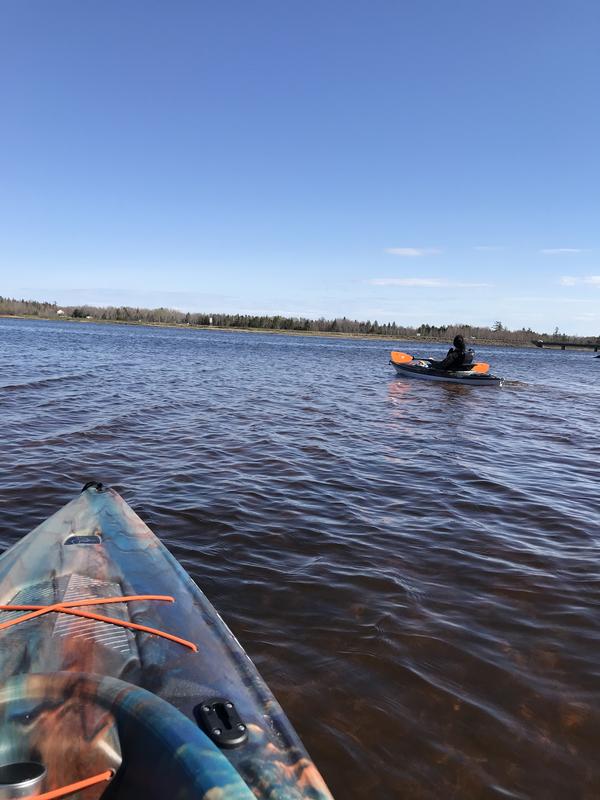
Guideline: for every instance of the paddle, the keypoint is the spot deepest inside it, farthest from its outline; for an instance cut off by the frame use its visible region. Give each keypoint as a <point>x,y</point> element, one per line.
<point>396,357</point>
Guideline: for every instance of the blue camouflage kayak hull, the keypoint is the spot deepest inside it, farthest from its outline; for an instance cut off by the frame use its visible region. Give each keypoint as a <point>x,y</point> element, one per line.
<point>131,673</point>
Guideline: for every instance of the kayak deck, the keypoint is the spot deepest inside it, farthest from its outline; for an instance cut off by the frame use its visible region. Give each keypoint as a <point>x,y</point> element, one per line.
<point>163,639</point>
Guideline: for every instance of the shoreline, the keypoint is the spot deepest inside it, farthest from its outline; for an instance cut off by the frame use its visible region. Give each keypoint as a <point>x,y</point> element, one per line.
<point>277,331</point>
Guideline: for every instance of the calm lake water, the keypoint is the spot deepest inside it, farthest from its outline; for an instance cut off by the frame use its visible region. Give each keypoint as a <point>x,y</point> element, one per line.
<point>414,567</point>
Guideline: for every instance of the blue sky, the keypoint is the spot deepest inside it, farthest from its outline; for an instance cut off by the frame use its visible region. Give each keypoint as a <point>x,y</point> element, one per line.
<point>413,161</point>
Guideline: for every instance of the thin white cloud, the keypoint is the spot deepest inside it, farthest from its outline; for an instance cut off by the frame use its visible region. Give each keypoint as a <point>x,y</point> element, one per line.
<point>413,252</point>
<point>426,282</point>
<point>572,280</point>
<point>558,251</point>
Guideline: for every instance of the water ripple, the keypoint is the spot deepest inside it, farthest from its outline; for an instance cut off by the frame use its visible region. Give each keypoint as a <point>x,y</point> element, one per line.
<point>412,566</point>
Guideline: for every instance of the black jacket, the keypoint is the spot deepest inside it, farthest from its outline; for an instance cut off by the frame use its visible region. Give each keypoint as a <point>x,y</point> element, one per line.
<point>456,359</point>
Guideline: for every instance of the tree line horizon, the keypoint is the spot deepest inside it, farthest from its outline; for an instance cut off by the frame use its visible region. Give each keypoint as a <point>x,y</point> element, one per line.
<point>495,332</point>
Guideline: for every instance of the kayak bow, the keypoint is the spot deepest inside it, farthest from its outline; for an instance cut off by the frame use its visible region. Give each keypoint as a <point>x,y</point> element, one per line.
<point>119,678</point>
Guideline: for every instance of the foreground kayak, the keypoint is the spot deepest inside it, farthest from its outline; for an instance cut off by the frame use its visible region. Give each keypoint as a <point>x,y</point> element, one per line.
<point>425,369</point>
<point>119,679</point>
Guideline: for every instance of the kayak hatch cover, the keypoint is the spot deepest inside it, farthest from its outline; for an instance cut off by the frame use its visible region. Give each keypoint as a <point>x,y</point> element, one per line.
<point>120,680</point>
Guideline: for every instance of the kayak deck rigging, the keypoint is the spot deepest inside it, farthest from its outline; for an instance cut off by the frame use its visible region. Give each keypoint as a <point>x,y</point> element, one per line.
<point>73,606</point>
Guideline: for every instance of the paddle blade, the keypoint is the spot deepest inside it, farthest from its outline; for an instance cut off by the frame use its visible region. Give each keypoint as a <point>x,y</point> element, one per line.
<point>400,358</point>
<point>481,368</point>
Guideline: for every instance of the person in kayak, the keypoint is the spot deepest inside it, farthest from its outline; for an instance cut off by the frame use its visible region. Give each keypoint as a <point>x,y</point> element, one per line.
<point>457,357</point>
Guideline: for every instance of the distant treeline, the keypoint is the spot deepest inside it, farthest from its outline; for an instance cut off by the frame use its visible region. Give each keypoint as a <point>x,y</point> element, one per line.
<point>496,333</point>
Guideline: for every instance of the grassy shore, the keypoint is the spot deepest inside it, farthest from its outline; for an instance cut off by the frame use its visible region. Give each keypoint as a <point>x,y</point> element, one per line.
<point>279,331</point>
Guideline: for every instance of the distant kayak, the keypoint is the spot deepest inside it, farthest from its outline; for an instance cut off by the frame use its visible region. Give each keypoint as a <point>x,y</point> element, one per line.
<point>116,669</point>
<point>426,369</point>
